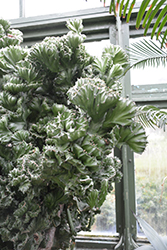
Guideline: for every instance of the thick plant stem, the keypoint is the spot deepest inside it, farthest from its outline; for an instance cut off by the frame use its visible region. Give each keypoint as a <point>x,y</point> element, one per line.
<point>51,239</point>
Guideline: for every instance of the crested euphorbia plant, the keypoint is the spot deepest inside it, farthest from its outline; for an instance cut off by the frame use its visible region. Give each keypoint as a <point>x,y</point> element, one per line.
<point>61,117</point>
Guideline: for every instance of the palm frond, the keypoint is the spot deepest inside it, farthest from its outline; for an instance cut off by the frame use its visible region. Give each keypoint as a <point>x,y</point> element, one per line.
<point>150,116</point>
<point>146,53</point>
<point>149,10</point>
<point>163,40</point>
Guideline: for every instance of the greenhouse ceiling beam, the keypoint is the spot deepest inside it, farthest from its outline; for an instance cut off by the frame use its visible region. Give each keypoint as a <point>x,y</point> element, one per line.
<point>96,25</point>
<point>96,22</point>
<point>61,18</point>
<point>93,33</point>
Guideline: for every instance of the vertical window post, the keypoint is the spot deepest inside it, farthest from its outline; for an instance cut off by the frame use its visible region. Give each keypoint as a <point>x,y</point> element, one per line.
<point>21,8</point>
<point>125,190</point>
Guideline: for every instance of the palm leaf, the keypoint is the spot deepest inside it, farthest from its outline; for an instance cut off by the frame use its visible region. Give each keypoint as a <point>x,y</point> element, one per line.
<point>148,10</point>
<point>146,53</point>
<point>150,116</point>
<point>163,39</point>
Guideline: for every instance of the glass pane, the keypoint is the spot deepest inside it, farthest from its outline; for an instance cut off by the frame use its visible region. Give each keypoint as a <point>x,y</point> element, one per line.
<point>96,48</point>
<point>148,75</point>
<point>38,7</point>
<point>151,171</point>
<point>9,9</point>
<point>105,222</point>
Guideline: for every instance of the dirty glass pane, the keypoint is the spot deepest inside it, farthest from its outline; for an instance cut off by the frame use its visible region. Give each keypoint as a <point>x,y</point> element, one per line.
<point>9,9</point>
<point>45,7</point>
<point>151,181</point>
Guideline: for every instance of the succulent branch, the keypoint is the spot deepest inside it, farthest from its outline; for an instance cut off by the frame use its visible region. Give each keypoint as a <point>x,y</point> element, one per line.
<point>61,116</point>
<point>51,235</point>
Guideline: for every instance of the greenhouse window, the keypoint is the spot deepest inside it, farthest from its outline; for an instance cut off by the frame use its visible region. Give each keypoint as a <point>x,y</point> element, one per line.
<point>109,231</point>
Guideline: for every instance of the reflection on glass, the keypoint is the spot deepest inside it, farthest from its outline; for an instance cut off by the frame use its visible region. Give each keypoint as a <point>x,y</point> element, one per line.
<point>9,9</point>
<point>38,7</point>
<point>151,170</point>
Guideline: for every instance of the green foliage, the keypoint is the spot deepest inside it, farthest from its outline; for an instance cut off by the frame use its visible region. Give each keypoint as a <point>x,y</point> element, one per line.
<point>148,11</point>
<point>146,53</point>
<point>99,98</point>
<point>133,135</point>
<point>150,207</point>
<point>117,58</point>
<point>150,116</point>
<point>57,125</point>
<point>9,36</point>
<point>150,190</point>
<point>9,52</point>
<point>106,220</point>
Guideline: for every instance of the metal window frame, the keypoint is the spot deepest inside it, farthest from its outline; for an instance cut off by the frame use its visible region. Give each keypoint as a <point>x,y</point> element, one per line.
<point>21,8</point>
<point>100,25</point>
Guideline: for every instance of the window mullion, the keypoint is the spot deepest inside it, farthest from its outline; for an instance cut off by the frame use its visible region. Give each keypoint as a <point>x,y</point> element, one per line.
<point>21,8</point>
<point>125,190</point>
<point>125,201</point>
